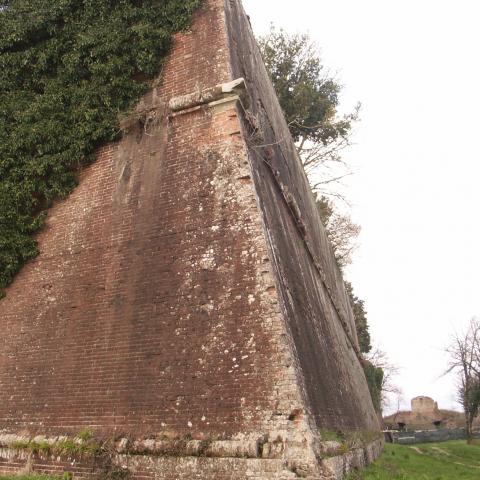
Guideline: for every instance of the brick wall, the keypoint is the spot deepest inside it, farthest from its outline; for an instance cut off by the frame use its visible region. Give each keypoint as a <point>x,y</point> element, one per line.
<point>317,313</point>
<point>154,311</point>
<point>145,312</point>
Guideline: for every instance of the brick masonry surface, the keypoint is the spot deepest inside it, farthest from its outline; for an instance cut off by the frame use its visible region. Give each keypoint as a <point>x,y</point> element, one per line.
<point>318,315</point>
<point>174,297</point>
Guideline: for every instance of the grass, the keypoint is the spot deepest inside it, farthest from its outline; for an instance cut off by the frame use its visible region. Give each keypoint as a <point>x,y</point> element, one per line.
<point>83,445</point>
<point>433,461</point>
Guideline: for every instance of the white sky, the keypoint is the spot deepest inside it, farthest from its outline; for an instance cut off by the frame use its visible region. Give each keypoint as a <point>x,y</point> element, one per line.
<point>414,66</point>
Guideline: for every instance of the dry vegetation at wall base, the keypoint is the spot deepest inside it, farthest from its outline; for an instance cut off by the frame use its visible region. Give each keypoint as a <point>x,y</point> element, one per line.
<point>68,69</point>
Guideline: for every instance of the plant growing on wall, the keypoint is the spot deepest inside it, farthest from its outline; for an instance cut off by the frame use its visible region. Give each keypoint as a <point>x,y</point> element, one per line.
<point>309,97</point>
<point>68,68</point>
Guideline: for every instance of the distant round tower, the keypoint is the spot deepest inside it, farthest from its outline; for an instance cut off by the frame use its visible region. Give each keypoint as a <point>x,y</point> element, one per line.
<point>424,405</point>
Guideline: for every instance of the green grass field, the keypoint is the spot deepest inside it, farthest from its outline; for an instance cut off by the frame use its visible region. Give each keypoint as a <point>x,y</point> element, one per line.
<point>432,461</point>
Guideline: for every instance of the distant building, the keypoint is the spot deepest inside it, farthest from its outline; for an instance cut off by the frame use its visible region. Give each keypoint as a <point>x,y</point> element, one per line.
<point>424,415</point>
<point>424,405</point>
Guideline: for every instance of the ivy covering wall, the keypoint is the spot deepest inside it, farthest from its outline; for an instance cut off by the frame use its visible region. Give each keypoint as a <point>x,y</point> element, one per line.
<point>375,381</point>
<point>68,68</point>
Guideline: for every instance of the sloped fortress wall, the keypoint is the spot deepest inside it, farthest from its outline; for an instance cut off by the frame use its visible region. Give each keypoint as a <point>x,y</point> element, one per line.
<point>186,304</point>
<point>315,306</point>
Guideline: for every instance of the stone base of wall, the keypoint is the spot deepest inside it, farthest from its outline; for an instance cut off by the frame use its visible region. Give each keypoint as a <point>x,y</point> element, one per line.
<point>145,467</point>
<point>356,459</point>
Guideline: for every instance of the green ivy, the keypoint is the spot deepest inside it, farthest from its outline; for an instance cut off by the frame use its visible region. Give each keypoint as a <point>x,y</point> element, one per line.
<point>68,68</point>
<point>375,379</point>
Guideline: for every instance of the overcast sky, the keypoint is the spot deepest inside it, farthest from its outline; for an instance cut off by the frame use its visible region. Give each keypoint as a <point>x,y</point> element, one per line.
<point>414,66</point>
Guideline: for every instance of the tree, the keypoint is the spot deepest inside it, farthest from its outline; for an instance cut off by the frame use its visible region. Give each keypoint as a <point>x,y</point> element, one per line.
<point>379,359</point>
<point>341,231</point>
<point>361,323</point>
<point>309,97</point>
<point>379,371</point>
<point>464,352</point>
<point>374,376</point>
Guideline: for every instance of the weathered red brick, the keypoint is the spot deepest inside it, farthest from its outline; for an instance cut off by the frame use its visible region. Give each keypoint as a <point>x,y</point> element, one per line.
<point>175,296</point>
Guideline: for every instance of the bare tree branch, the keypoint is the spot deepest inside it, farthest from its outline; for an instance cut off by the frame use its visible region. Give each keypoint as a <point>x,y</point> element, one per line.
<point>464,352</point>
<point>379,359</point>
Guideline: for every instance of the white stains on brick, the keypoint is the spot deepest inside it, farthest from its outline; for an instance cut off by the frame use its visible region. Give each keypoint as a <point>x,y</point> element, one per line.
<point>207,261</point>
